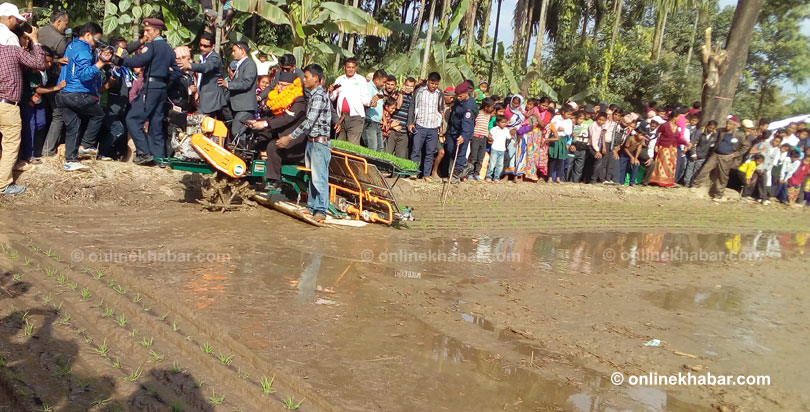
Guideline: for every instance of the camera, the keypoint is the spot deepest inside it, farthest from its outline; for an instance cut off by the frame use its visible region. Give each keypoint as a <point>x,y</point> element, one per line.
<point>118,53</point>
<point>22,28</point>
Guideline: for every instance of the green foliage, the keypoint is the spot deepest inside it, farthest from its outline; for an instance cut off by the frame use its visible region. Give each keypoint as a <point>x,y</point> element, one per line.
<point>404,164</point>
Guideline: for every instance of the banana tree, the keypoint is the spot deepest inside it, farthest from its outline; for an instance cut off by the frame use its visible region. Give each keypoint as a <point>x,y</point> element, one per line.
<point>312,23</point>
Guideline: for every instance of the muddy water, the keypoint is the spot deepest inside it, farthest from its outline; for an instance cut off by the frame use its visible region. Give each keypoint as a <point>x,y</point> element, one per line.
<point>303,300</point>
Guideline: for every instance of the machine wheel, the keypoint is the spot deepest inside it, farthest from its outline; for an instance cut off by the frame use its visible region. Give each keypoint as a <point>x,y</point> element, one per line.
<point>222,192</point>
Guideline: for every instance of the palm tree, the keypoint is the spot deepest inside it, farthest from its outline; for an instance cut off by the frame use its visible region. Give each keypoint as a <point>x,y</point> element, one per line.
<point>427,41</point>
<point>469,24</point>
<point>541,33</point>
<point>418,28</point>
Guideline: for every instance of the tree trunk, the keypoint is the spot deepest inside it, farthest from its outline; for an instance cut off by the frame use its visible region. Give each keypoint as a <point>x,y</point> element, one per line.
<point>692,40</point>
<point>661,36</point>
<point>355,3</point>
<point>469,24</point>
<point>617,13</point>
<point>426,57</point>
<point>136,23</point>
<point>340,43</point>
<point>445,8</point>
<point>482,40</point>
<point>656,34</point>
<point>722,69</point>
<point>585,21</point>
<point>527,39</point>
<point>541,33</point>
<point>418,27</point>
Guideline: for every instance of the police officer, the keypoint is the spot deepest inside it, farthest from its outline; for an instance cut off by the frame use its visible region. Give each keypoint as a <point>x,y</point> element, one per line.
<point>159,68</point>
<point>460,131</point>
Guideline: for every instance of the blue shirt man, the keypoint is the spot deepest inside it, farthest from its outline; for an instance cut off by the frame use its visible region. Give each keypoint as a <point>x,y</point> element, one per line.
<point>80,73</point>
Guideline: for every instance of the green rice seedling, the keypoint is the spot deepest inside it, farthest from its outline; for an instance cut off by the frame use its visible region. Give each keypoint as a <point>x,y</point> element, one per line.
<point>102,349</point>
<point>99,274</point>
<point>86,294</point>
<point>174,326</point>
<point>147,342</point>
<point>64,320</point>
<point>134,375</point>
<point>267,385</point>
<point>61,278</point>
<point>49,253</point>
<point>207,348</point>
<point>177,407</point>
<point>26,261</point>
<point>175,367</point>
<point>133,332</point>
<point>2,361</point>
<point>137,298</point>
<point>121,290</point>
<point>99,402</point>
<point>73,286</point>
<point>165,315</point>
<point>198,383</point>
<point>111,283</point>
<point>87,339</point>
<point>46,300</point>
<point>57,258</point>
<point>17,277</point>
<point>108,312</point>
<point>62,370</point>
<point>50,272</point>
<point>216,399</point>
<point>290,404</point>
<point>80,384</point>
<point>59,308</point>
<point>225,360</point>
<point>45,407</point>
<point>155,356</point>
<point>116,363</point>
<point>122,320</point>
<point>14,254</point>
<point>29,328</point>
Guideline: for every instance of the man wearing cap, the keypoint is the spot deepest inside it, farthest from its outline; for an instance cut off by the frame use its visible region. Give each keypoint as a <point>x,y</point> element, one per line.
<point>731,145</point>
<point>159,68</point>
<point>460,130</point>
<point>242,87</point>
<point>424,121</point>
<point>10,18</point>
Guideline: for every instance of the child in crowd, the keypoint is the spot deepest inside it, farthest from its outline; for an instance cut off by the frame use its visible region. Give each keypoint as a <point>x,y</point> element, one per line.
<point>498,136</point>
<point>596,149</point>
<point>33,111</point>
<point>795,181</point>
<point>561,129</point>
<point>578,149</point>
<point>750,174</point>
<point>771,155</point>
<point>478,145</point>
<point>788,168</point>
<point>388,123</point>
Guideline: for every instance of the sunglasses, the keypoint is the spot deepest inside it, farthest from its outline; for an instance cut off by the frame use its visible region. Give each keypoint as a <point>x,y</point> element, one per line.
<point>286,69</point>
<point>206,45</point>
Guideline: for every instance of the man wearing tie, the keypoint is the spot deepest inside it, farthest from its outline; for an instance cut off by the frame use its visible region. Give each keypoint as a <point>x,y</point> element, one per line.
<point>242,88</point>
<point>209,73</point>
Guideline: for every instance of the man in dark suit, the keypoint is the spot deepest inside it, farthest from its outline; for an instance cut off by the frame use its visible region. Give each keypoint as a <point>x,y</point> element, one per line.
<point>159,68</point>
<point>209,69</point>
<point>284,114</point>
<point>242,88</point>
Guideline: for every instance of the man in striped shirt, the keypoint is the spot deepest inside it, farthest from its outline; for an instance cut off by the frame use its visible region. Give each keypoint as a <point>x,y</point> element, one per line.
<point>424,120</point>
<point>12,61</point>
<point>398,141</point>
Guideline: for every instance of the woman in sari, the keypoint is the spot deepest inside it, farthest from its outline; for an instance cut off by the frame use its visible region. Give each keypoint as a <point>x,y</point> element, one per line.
<point>529,135</point>
<point>516,115</point>
<point>541,153</point>
<point>666,151</point>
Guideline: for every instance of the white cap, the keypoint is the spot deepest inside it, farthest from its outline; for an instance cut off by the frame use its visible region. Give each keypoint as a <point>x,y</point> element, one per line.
<point>747,124</point>
<point>573,105</point>
<point>10,10</point>
<point>658,119</point>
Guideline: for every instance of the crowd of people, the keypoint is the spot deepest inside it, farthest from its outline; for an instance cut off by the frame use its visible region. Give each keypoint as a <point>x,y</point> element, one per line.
<point>88,92</point>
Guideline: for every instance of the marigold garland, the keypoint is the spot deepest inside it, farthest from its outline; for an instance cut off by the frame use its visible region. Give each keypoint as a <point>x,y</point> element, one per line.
<point>280,101</point>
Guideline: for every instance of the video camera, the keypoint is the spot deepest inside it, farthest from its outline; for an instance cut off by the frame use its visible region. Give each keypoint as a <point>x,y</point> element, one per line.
<point>23,27</point>
<point>118,53</point>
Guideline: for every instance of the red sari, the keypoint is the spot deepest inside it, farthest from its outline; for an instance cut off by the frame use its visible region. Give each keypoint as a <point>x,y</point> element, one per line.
<point>666,156</point>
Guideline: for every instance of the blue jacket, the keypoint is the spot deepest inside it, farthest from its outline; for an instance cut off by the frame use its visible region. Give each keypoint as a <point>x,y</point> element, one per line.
<point>462,119</point>
<point>80,74</point>
<point>156,58</point>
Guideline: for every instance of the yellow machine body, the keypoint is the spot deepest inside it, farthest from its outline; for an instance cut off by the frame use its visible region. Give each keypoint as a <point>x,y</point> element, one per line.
<point>217,156</point>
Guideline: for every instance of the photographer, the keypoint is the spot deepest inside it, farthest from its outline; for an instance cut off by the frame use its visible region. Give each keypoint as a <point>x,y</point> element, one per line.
<point>79,99</point>
<point>113,142</point>
<point>10,21</point>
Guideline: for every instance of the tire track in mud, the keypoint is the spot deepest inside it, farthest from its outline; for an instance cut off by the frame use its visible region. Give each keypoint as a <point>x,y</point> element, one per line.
<point>138,309</point>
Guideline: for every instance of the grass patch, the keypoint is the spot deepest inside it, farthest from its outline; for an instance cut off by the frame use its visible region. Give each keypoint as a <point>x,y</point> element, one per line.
<point>122,320</point>
<point>225,360</point>
<point>267,385</point>
<point>147,342</point>
<point>108,312</point>
<point>134,375</point>
<point>102,349</point>
<point>137,298</point>
<point>155,356</point>
<point>207,348</point>
<point>290,404</point>
<point>86,294</point>
<point>216,399</point>
<point>133,332</point>
<point>17,277</point>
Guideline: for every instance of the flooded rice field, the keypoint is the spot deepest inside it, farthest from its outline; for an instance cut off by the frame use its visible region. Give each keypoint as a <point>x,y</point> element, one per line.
<point>392,320</point>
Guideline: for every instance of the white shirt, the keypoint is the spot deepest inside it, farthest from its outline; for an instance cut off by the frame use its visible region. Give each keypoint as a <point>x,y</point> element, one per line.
<point>653,141</point>
<point>263,69</point>
<point>792,140</point>
<point>239,63</point>
<point>7,37</point>
<point>354,90</point>
<point>564,126</point>
<point>499,138</point>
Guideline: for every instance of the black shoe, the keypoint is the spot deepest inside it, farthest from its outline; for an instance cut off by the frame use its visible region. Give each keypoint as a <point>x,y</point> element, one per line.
<point>163,165</point>
<point>143,160</point>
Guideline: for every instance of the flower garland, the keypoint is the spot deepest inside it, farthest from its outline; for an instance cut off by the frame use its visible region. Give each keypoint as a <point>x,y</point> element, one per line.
<point>280,101</point>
